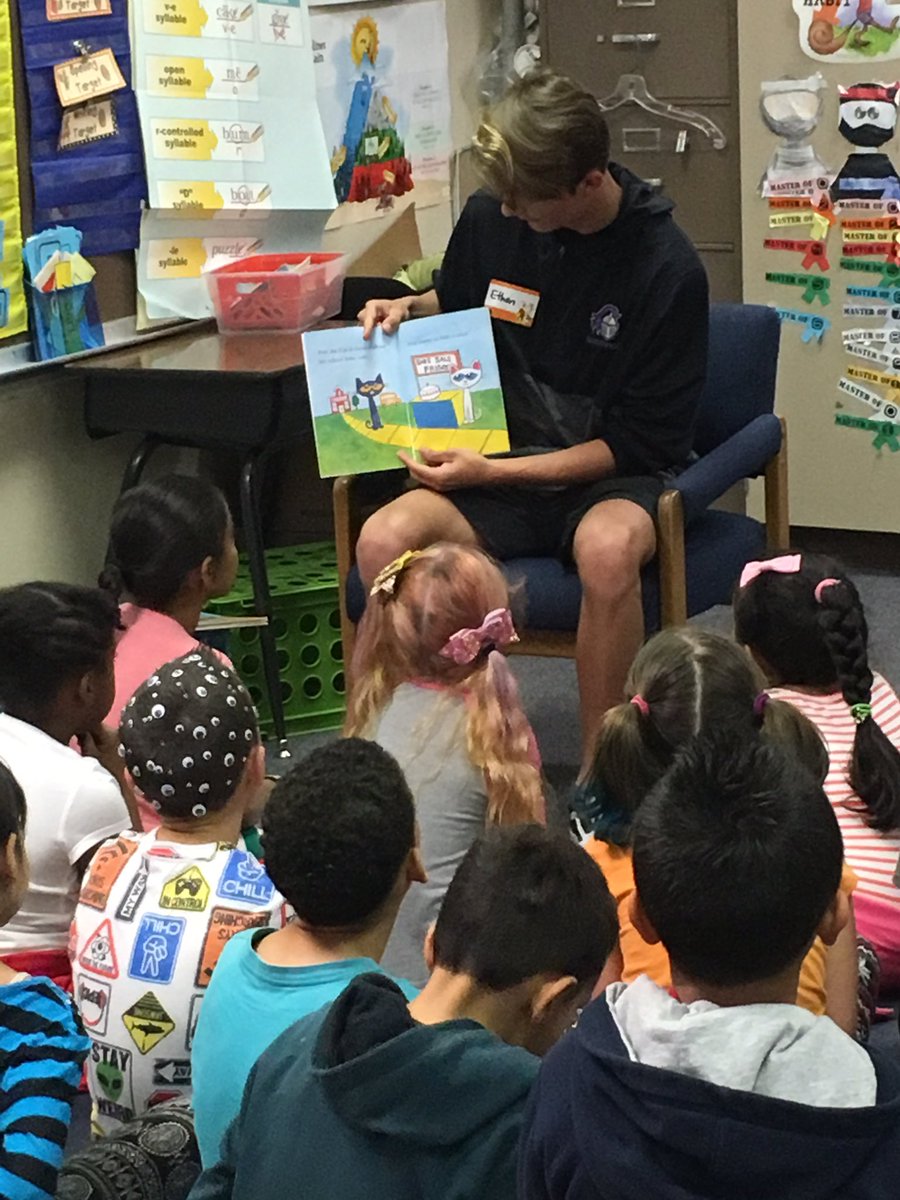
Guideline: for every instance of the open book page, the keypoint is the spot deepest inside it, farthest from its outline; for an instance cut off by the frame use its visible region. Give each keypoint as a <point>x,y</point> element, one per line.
<point>434,384</point>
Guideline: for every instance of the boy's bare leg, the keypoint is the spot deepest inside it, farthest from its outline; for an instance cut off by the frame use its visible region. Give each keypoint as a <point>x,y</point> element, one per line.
<point>613,541</point>
<point>411,522</point>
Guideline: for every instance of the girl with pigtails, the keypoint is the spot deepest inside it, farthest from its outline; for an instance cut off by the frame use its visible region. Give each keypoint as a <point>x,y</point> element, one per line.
<point>685,683</point>
<point>802,619</point>
<point>432,686</point>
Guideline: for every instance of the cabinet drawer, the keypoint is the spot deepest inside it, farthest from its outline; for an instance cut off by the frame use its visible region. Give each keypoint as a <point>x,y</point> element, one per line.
<point>693,50</point>
<point>702,180</point>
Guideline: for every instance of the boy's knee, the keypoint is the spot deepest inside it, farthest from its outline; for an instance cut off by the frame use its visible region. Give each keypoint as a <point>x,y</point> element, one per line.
<point>382,538</point>
<point>609,556</point>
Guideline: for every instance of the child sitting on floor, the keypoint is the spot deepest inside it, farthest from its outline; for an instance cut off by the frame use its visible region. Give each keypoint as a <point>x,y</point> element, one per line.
<point>720,1086</point>
<point>157,908</point>
<point>685,682</point>
<point>56,683</point>
<point>377,1098</point>
<point>431,685</point>
<point>803,621</point>
<point>42,1046</point>
<point>340,846</point>
<point>171,549</point>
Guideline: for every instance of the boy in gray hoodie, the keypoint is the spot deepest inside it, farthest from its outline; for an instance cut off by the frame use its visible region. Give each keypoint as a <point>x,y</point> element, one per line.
<point>721,1087</point>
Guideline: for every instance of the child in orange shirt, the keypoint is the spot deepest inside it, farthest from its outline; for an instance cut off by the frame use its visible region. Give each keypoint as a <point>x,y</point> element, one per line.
<point>685,682</point>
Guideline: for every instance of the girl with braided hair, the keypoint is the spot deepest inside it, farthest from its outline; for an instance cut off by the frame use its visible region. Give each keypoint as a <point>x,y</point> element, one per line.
<point>802,619</point>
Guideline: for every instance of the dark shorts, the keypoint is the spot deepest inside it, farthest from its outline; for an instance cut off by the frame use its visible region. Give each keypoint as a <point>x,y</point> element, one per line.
<point>518,522</point>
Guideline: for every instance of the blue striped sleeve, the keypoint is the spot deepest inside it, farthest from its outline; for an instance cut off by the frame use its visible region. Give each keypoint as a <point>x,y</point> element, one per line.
<point>42,1050</point>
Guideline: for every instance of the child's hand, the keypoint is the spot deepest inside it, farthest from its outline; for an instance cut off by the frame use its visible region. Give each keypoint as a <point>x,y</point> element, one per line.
<point>102,743</point>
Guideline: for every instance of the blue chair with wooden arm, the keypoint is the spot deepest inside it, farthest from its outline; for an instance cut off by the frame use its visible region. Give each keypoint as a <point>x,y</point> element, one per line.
<point>700,549</point>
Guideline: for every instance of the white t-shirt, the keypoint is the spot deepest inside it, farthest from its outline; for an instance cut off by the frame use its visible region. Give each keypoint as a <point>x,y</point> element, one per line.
<point>73,805</point>
<point>152,919</point>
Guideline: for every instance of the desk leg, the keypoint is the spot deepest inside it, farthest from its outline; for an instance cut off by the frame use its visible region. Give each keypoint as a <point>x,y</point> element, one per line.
<point>262,600</point>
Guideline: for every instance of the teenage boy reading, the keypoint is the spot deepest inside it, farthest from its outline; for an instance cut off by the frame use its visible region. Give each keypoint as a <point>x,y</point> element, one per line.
<point>722,1087</point>
<point>340,846</point>
<point>376,1097</point>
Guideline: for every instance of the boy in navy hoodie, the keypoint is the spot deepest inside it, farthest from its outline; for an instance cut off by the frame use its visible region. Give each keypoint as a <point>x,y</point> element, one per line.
<point>377,1097</point>
<point>722,1087</point>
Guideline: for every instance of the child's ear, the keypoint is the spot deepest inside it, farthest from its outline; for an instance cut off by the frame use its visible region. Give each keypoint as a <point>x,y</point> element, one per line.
<point>255,766</point>
<point>837,914</point>
<point>9,857</point>
<point>415,867</point>
<point>428,948</point>
<point>641,921</point>
<point>552,996</point>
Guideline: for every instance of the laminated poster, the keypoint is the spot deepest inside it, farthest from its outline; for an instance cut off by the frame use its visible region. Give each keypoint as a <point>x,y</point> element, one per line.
<point>227,106</point>
<point>849,31</point>
<point>383,86</point>
<point>12,299</point>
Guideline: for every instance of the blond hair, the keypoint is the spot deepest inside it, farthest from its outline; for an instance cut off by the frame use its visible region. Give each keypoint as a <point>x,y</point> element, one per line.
<point>401,635</point>
<point>541,139</point>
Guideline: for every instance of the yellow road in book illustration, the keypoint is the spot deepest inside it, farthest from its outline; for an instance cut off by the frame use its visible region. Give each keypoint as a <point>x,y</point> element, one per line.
<point>486,441</point>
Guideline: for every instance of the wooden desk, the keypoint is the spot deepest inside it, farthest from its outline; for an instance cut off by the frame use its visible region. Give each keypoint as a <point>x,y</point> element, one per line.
<point>245,393</point>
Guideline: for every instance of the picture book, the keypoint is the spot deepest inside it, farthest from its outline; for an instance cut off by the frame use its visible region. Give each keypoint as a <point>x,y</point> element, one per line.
<point>434,384</point>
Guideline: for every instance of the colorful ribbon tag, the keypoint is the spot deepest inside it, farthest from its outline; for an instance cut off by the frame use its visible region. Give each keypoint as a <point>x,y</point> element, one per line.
<point>889,271</point>
<point>887,336</point>
<point>814,253</point>
<point>814,326</point>
<point>891,295</point>
<point>881,311</point>
<point>781,220</point>
<point>886,250</point>
<point>885,358</point>
<point>872,223</point>
<point>867,376</point>
<point>790,202</point>
<point>816,285</point>
<point>891,207</point>
<point>886,430</point>
<point>871,399</point>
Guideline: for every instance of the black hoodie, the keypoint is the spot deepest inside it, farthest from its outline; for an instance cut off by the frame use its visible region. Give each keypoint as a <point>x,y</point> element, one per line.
<point>359,1102</point>
<point>618,345</point>
<point>605,1125</point>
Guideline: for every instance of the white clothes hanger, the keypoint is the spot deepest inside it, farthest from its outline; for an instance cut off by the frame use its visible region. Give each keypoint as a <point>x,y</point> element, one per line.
<point>632,89</point>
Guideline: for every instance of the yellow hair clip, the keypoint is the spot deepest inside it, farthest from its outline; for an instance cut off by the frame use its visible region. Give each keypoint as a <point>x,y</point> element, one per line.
<point>386,579</point>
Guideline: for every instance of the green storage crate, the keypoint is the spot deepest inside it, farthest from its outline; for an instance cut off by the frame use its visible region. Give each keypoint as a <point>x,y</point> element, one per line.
<point>307,627</point>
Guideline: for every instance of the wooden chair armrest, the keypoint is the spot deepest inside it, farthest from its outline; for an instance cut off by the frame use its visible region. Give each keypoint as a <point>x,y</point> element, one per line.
<point>670,553</point>
<point>778,527</point>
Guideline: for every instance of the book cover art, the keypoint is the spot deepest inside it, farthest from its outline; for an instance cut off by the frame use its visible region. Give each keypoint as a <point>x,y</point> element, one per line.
<point>433,384</point>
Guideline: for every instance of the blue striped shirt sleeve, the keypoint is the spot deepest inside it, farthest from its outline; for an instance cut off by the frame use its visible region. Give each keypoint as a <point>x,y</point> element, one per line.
<point>42,1050</point>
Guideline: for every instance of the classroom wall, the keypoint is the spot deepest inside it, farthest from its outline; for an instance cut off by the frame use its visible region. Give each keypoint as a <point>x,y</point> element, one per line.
<point>837,479</point>
<point>56,485</point>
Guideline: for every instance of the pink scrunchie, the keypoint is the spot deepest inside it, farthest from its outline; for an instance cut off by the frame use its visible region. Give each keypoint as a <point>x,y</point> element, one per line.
<point>496,629</point>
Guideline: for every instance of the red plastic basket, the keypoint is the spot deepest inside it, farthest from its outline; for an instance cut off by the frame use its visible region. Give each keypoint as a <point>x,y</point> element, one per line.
<point>259,293</point>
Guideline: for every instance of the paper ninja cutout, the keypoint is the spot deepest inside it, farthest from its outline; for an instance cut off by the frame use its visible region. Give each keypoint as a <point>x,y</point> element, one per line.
<point>868,119</point>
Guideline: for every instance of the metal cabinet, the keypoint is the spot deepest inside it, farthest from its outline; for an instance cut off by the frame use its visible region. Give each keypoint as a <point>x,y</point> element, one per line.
<point>687,52</point>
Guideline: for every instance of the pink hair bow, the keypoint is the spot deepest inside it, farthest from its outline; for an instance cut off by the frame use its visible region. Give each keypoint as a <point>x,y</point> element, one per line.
<point>788,564</point>
<point>496,629</point>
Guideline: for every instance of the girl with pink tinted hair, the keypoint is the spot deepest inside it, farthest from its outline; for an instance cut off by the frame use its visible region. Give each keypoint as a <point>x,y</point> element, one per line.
<point>432,686</point>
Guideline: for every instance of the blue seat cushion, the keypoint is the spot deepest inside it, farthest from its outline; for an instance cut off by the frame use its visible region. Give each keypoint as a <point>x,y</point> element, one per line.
<point>717,545</point>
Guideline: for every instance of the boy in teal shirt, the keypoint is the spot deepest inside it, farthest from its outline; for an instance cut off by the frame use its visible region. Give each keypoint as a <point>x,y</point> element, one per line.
<point>340,846</point>
<point>377,1098</point>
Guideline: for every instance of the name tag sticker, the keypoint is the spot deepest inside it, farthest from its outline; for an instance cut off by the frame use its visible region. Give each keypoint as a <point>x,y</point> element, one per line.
<point>509,303</point>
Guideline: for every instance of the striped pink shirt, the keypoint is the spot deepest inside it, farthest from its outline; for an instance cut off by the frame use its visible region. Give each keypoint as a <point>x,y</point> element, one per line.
<point>872,855</point>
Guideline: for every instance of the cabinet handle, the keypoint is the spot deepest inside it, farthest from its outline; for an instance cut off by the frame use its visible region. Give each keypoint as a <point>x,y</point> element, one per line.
<point>634,39</point>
